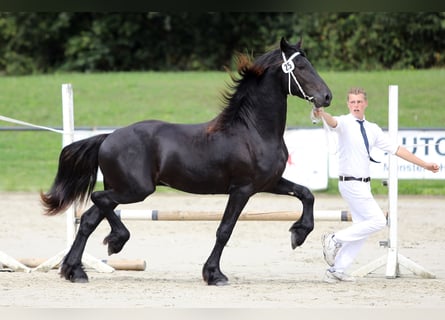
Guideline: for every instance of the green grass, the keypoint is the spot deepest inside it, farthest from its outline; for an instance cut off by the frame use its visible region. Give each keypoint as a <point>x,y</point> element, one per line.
<point>28,160</point>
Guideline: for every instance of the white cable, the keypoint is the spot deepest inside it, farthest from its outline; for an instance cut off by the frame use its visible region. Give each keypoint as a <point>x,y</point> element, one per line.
<point>29,124</point>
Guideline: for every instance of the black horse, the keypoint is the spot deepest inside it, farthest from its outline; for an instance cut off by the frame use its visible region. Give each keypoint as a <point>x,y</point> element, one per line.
<point>240,152</point>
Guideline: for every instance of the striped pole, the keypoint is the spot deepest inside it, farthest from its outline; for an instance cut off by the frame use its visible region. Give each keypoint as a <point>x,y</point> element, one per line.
<point>156,215</point>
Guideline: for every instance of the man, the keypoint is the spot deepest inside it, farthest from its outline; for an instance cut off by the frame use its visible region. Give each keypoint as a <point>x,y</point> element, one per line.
<point>356,137</point>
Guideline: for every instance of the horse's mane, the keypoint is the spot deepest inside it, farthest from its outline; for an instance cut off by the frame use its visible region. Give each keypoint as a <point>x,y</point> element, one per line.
<point>236,97</point>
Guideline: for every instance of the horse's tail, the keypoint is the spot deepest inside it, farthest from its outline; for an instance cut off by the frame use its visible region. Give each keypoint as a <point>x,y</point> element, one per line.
<point>76,175</point>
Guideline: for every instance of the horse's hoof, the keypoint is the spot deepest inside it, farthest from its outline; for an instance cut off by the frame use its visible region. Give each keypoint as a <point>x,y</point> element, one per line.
<point>78,277</point>
<point>297,238</point>
<point>73,274</point>
<point>214,278</point>
<point>115,242</point>
<point>221,283</point>
<point>293,240</point>
<point>79,280</point>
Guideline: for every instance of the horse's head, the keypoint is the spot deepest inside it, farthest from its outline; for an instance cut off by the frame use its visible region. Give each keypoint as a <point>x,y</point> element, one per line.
<point>301,77</point>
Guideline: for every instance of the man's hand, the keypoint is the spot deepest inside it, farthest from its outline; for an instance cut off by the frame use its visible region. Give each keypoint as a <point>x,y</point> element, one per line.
<point>434,167</point>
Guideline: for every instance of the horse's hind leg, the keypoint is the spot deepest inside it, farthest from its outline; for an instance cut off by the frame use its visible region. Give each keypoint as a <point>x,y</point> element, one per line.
<point>104,204</point>
<point>108,201</point>
<point>71,268</point>
<point>301,228</point>
<point>118,235</point>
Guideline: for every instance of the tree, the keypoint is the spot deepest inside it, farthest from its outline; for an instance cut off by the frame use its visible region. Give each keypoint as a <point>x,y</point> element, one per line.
<point>47,42</point>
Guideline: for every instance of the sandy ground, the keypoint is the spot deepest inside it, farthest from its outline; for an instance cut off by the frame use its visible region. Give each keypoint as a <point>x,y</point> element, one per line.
<point>264,271</point>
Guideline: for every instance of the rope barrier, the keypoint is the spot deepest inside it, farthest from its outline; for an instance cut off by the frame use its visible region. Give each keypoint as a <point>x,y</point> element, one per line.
<point>325,127</point>
<point>23,123</point>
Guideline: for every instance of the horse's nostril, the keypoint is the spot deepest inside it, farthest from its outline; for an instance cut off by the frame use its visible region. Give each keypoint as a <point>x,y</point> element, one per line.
<point>328,98</point>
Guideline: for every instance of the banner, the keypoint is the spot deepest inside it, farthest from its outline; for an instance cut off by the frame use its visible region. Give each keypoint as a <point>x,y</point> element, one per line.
<point>307,163</point>
<point>427,144</point>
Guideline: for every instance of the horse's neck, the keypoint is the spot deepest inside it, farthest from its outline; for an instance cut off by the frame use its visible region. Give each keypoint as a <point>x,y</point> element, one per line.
<point>261,107</point>
<point>270,112</point>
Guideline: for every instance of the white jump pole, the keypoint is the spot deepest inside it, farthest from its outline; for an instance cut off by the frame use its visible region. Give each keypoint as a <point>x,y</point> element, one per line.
<point>12,263</point>
<point>393,259</point>
<point>392,269</point>
<point>68,138</point>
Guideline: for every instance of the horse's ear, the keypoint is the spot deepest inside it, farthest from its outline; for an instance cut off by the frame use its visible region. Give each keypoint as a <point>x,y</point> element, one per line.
<point>300,42</point>
<point>284,45</point>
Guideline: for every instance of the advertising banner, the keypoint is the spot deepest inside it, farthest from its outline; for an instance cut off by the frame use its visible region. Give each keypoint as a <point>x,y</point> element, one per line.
<point>428,145</point>
<point>308,158</point>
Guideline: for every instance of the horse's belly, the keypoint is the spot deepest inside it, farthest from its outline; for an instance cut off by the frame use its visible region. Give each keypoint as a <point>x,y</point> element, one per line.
<point>191,185</point>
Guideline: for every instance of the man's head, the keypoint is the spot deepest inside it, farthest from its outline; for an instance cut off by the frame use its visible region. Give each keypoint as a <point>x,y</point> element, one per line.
<point>357,102</point>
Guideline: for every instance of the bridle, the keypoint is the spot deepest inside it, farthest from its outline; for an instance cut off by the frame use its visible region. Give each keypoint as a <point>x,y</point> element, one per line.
<point>288,66</point>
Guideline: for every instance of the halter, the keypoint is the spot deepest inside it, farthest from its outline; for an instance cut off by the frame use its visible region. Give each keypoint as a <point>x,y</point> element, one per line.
<point>288,66</point>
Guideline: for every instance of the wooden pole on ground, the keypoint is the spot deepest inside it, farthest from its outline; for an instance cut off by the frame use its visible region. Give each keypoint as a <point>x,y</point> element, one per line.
<point>117,264</point>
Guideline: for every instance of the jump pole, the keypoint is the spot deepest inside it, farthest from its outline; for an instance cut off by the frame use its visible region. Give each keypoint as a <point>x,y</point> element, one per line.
<point>117,264</point>
<point>12,264</point>
<point>183,215</point>
<point>393,259</point>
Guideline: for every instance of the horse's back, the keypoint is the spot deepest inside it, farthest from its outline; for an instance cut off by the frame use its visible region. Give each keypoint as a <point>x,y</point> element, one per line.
<point>188,157</point>
<point>178,155</point>
<point>148,132</point>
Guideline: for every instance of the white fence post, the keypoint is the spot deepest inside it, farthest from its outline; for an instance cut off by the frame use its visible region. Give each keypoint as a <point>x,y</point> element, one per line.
<point>393,259</point>
<point>68,138</point>
<point>393,127</point>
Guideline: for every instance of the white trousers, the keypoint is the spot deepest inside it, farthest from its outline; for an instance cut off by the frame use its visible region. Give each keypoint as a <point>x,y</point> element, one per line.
<point>367,218</point>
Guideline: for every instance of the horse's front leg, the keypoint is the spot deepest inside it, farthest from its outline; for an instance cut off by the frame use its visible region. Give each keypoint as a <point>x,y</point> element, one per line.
<point>71,268</point>
<point>211,272</point>
<point>302,227</point>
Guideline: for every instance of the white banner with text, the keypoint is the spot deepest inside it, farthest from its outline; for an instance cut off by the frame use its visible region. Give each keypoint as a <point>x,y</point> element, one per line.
<point>308,145</point>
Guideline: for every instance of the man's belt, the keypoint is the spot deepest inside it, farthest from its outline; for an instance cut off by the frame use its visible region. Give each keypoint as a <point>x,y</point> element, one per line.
<point>343,178</point>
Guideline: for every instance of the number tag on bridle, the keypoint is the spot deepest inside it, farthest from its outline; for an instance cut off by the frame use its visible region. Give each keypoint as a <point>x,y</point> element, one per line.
<point>288,66</point>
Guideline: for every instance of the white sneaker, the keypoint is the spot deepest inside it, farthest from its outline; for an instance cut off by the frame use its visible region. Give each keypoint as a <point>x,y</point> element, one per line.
<point>330,248</point>
<point>336,276</point>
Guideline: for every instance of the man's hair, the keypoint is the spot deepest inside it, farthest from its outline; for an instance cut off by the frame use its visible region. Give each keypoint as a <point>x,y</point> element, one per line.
<point>356,90</point>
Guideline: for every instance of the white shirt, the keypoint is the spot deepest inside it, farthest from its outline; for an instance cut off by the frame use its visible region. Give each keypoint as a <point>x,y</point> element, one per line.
<point>353,159</point>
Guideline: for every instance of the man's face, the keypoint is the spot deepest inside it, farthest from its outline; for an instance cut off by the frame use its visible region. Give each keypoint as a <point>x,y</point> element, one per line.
<point>357,105</point>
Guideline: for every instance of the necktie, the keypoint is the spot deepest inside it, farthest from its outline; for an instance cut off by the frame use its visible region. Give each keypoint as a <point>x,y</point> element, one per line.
<point>365,139</point>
